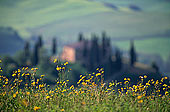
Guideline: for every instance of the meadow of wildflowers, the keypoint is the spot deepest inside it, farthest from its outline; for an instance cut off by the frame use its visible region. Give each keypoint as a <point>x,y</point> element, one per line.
<point>25,92</point>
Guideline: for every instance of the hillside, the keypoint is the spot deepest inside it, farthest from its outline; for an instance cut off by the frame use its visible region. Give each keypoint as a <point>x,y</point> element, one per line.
<point>66,18</point>
<point>10,41</point>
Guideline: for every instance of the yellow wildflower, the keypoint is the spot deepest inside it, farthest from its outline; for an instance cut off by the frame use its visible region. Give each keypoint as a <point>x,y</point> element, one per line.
<point>139,97</point>
<point>58,68</point>
<point>55,60</point>
<point>126,82</point>
<point>47,97</point>
<point>36,108</point>
<point>165,85</point>
<point>72,87</point>
<point>20,80</point>
<point>28,93</point>
<point>140,101</point>
<point>13,75</point>
<point>83,83</point>
<point>14,95</point>
<point>42,75</point>
<point>23,74</point>
<point>27,74</point>
<point>17,92</point>
<point>33,83</point>
<point>65,63</point>
<point>166,93</point>
<point>62,110</point>
<point>140,77</point>
<point>165,77</point>
<point>19,70</point>
<point>145,76</point>
<point>98,74</point>
<point>147,84</point>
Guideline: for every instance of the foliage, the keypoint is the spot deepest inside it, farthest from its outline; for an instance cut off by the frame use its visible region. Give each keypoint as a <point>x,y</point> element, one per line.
<point>25,92</point>
<point>8,65</point>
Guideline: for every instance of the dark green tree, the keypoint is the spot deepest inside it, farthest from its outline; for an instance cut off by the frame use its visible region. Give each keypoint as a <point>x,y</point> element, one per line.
<point>27,49</point>
<point>155,67</point>
<point>108,42</point>
<point>133,56</point>
<point>95,50</point>
<point>8,65</point>
<point>118,59</point>
<point>54,46</point>
<point>80,37</point>
<point>93,60</point>
<point>35,57</point>
<point>103,44</point>
<point>40,42</point>
<point>85,48</point>
<point>109,67</point>
<point>20,58</point>
<point>46,67</point>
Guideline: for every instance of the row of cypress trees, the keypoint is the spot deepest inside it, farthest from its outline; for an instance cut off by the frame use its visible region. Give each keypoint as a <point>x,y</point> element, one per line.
<point>34,55</point>
<point>96,54</point>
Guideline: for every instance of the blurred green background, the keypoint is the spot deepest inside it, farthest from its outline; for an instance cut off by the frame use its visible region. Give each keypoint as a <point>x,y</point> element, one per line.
<point>147,22</point>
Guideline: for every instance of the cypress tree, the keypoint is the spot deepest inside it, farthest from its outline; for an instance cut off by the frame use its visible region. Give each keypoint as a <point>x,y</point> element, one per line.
<point>27,49</point>
<point>155,66</point>
<point>85,49</point>
<point>80,37</point>
<point>118,60</point>
<point>108,42</point>
<point>133,56</point>
<point>26,53</point>
<point>103,44</point>
<point>95,50</point>
<point>35,57</point>
<point>40,43</point>
<point>93,53</point>
<point>54,47</point>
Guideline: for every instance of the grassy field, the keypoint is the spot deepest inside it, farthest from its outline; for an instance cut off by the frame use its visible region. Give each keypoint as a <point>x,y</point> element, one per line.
<point>25,92</point>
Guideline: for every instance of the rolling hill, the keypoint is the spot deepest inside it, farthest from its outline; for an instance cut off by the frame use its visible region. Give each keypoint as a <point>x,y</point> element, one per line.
<point>141,20</point>
<point>10,41</point>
